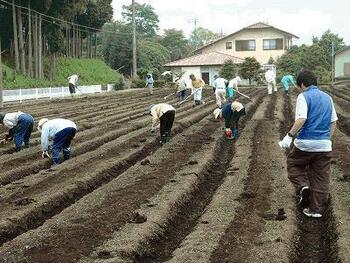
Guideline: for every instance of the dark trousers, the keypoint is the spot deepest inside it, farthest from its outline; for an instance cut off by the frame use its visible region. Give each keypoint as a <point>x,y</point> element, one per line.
<point>311,169</point>
<point>182,94</point>
<point>21,133</point>
<point>71,88</point>
<point>232,120</point>
<point>166,122</point>
<point>62,141</point>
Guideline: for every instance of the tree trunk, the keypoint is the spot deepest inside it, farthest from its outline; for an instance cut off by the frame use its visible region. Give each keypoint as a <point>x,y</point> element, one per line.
<point>90,45</point>
<point>30,48</point>
<point>1,78</point>
<point>67,41</point>
<point>95,52</point>
<point>36,47</point>
<point>21,42</point>
<point>74,42</point>
<point>15,36</point>
<point>40,51</point>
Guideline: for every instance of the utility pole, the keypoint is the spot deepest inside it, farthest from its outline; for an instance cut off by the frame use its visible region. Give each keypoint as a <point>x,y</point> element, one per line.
<point>333,62</point>
<point>1,99</point>
<point>15,36</point>
<point>134,59</point>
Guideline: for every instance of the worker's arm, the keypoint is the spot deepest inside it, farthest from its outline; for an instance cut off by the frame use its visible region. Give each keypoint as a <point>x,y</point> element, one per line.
<point>155,118</point>
<point>298,124</point>
<point>333,126</point>
<point>45,139</point>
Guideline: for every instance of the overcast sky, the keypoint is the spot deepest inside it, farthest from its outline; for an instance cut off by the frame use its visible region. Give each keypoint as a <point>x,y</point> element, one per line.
<point>303,18</point>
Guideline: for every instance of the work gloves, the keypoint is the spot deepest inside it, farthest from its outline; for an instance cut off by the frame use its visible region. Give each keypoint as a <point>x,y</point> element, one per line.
<point>45,154</point>
<point>286,142</point>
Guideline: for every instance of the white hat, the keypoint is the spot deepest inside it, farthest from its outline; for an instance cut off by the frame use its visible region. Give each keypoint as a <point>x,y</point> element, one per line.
<point>236,106</point>
<point>217,113</point>
<point>41,123</point>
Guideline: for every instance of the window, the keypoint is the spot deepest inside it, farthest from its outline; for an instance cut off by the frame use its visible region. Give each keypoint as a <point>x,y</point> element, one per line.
<point>273,44</point>
<point>228,45</point>
<point>245,45</point>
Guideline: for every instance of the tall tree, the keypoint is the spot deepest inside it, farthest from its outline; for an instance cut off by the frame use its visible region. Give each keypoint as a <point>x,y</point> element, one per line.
<point>202,36</point>
<point>250,69</point>
<point>228,70</point>
<point>326,40</point>
<point>175,41</point>
<point>22,53</point>
<point>145,17</point>
<point>15,36</point>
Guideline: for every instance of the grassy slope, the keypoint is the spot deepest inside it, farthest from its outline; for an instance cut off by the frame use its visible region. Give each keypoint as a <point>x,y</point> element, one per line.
<point>91,71</point>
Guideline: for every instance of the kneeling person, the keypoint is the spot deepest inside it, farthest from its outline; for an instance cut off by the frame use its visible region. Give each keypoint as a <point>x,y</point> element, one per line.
<point>61,132</point>
<point>231,112</point>
<point>165,114</point>
<point>20,127</point>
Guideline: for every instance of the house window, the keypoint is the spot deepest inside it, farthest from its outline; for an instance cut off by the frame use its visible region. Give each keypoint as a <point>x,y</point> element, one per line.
<point>273,44</point>
<point>245,45</point>
<point>228,45</point>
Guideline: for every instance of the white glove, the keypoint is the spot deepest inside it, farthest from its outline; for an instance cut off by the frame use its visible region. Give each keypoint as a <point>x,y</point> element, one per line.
<point>45,154</point>
<point>286,142</point>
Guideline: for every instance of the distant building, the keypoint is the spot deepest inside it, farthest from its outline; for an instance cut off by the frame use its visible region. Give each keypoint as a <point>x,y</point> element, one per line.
<point>259,40</point>
<point>205,66</point>
<point>342,64</point>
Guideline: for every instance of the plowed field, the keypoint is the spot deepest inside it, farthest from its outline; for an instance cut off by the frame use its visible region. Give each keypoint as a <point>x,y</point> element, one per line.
<point>200,198</point>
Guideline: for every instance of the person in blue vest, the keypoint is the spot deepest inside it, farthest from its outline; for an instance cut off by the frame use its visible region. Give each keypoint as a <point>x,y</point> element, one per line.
<point>286,81</point>
<point>61,132</point>
<point>231,112</point>
<point>308,163</point>
<point>20,126</point>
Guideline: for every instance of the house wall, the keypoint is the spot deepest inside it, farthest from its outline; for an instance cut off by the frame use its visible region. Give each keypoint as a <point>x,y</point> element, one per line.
<point>258,35</point>
<point>340,60</point>
<point>197,71</point>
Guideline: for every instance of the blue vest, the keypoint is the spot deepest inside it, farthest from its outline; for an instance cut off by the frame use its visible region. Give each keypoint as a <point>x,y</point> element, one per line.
<point>319,113</point>
<point>226,110</point>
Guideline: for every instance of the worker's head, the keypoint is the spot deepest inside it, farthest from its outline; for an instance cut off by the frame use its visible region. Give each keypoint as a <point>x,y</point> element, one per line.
<point>150,108</point>
<point>2,116</point>
<point>236,106</point>
<point>306,78</point>
<point>149,75</point>
<point>217,113</point>
<point>238,78</point>
<point>192,77</point>
<point>41,123</point>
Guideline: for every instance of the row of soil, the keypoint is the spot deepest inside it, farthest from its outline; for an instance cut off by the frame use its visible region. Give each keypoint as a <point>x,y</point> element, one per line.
<point>315,239</point>
<point>87,223</point>
<point>175,210</point>
<point>70,182</point>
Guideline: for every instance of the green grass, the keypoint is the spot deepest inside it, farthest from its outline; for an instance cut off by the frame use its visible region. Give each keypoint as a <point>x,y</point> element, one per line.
<point>91,71</point>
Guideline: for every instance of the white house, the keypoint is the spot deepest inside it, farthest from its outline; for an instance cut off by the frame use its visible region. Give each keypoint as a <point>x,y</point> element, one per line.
<point>342,63</point>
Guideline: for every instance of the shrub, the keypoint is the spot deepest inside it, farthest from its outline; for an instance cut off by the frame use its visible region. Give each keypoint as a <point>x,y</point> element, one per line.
<point>138,84</point>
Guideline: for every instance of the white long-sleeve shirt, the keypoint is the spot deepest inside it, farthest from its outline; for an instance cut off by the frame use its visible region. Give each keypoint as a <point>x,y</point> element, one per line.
<point>158,110</point>
<point>11,119</point>
<point>220,83</point>
<point>270,76</point>
<point>73,79</point>
<point>234,82</point>
<point>51,128</point>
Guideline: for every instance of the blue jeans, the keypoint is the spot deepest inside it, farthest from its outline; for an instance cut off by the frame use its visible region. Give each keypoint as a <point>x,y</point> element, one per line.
<point>62,142</point>
<point>23,130</point>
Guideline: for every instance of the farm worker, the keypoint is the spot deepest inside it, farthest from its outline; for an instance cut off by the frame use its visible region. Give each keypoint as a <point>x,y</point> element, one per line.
<point>231,112</point>
<point>232,88</point>
<point>220,90</point>
<point>61,132</point>
<point>286,80</point>
<point>165,114</point>
<point>198,85</point>
<point>270,78</point>
<point>73,81</point>
<point>149,83</point>
<point>308,163</point>
<point>181,88</point>
<point>20,127</point>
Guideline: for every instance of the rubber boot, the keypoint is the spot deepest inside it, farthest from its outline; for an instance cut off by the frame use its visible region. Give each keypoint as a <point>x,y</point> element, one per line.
<point>167,137</point>
<point>235,134</point>
<point>163,138</point>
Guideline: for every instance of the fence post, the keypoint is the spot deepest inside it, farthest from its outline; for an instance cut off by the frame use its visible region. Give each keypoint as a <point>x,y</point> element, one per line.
<point>36,93</point>
<point>62,92</point>
<point>50,91</point>
<point>20,95</point>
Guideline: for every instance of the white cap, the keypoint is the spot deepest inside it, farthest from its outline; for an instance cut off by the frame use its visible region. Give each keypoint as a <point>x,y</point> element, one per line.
<point>236,106</point>
<point>41,123</point>
<point>216,113</point>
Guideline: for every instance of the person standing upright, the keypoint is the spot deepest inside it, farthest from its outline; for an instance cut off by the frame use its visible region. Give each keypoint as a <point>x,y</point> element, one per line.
<point>220,90</point>
<point>232,88</point>
<point>198,85</point>
<point>149,83</point>
<point>308,163</point>
<point>73,81</point>
<point>20,127</point>
<point>270,78</point>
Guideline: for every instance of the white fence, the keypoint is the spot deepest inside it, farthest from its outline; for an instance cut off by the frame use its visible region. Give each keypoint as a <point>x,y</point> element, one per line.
<point>52,92</point>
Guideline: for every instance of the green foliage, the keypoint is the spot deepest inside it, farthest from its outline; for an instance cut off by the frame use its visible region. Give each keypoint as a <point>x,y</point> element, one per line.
<point>323,75</point>
<point>96,14</point>
<point>138,84</point>
<point>250,69</point>
<point>202,36</point>
<point>160,84</point>
<point>175,41</point>
<point>228,70</point>
<point>271,61</point>
<point>91,71</point>
<point>146,19</point>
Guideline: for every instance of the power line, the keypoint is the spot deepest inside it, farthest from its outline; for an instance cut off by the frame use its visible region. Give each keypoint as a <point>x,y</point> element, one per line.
<point>61,22</point>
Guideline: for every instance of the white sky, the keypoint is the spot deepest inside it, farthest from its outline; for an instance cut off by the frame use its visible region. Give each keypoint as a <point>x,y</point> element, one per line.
<point>303,18</point>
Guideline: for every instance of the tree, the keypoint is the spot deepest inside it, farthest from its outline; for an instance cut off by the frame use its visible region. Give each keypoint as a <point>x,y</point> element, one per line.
<point>271,61</point>
<point>228,70</point>
<point>145,18</point>
<point>175,41</point>
<point>250,69</point>
<point>202,36</point>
